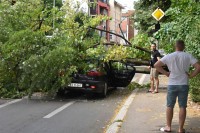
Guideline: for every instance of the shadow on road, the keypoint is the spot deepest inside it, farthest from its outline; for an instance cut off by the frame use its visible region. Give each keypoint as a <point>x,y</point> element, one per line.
<point>112,94</point>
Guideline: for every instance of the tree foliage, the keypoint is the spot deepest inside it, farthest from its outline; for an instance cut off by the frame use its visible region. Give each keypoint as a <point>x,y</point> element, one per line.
<point>143,41</point>
<point>143,11</point>
<point>181,21</point>
<point>186,22</point>
<point>32,61</point>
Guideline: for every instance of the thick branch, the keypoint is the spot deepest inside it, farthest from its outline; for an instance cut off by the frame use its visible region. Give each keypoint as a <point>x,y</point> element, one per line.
<point>137,47</point>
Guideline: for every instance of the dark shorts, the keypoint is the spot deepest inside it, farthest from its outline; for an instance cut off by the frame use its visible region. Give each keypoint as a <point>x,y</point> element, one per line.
<point>180,91</point>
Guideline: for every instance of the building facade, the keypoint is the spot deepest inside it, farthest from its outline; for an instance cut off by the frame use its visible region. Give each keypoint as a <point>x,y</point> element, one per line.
<point>127,25</point>
<point>101,8</point>
<point>116,15</point>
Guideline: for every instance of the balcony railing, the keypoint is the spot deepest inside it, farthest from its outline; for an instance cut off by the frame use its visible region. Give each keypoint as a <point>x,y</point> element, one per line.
<point>104,1</point>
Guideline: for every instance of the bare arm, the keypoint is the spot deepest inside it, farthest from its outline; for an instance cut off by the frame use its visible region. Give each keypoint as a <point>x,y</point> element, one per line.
<point>159,68</point>
<point>196,71</point>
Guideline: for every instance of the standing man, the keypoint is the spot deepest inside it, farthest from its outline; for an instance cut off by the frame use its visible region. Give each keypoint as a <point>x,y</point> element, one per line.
<point>178,63</point>
<point>155,56</point>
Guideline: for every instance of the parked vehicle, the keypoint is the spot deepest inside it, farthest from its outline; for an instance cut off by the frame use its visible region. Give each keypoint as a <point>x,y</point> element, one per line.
<point>105,76</point>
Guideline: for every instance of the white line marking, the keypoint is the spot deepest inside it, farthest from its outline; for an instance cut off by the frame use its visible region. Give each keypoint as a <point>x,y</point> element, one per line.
<point>117,122</point>
<point>9,103</point>
<point>142,79</point>
<point>59,110</point>
<point>134,79</point>
<point>114,127</point>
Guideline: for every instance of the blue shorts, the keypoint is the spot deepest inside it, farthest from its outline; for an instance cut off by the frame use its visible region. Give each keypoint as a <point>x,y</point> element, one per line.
<point>180,91</point>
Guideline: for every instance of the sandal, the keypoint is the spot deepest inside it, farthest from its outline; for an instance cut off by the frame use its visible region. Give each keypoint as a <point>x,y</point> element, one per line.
<point>149,91</point>
<point>182,131</point>
<point>155,92</point>
<point>164,130</point>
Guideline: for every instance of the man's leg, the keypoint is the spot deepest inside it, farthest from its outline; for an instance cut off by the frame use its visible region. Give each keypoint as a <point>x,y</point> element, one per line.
<point>152,83</point>
<point>182,116</point>
<point>169,117</point>
<point>155,75</point>
<point>182,100</point>
<point>151,80</point>
<point>157,84</point>
<point>157,80</point>
<point>171,100</point>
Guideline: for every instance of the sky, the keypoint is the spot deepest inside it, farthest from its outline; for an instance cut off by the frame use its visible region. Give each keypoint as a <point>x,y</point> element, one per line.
<point>128,3</point>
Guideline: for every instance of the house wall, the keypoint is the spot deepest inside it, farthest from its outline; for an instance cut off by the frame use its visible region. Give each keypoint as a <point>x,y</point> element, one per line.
<point>128,24</point>
<point>116,14</point>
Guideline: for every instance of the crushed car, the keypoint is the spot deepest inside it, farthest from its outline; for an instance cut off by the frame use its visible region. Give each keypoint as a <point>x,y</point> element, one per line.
<point>102,78</point>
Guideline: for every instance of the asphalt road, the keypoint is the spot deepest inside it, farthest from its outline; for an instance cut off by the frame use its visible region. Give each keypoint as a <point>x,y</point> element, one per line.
<point>73,113</point>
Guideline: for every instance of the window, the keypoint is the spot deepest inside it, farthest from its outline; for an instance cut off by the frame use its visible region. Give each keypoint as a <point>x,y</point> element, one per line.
<point>93,10</point>
<point>123,18</point>
<point>111,37</point>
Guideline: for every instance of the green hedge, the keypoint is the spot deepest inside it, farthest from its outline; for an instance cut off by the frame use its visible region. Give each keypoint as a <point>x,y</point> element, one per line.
<point>195,89</point>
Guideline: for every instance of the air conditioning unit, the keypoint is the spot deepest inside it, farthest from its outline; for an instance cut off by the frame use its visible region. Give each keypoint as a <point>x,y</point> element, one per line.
<point>93,16</point>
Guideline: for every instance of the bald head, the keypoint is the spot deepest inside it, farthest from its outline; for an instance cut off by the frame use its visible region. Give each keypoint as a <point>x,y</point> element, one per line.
<point>180,45</point>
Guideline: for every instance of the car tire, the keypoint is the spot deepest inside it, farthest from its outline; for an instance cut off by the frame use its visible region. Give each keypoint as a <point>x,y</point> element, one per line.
<point>61,92</point>
<point>114,88</point>
<point>104,92</point>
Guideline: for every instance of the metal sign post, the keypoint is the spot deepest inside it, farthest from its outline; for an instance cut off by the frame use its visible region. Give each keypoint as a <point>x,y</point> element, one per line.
<point>158,14</point>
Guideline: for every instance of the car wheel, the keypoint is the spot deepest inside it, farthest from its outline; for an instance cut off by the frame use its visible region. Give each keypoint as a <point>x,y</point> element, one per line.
<point>114,88</point>
<point>105,90</point>
<point>61,92</point>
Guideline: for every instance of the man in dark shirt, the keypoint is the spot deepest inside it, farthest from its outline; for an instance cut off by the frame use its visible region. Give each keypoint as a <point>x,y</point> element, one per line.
<point>155,56</point>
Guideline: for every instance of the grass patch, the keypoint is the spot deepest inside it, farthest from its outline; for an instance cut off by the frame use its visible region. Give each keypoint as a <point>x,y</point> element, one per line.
<point>119,121</point>
<point>134,85</point>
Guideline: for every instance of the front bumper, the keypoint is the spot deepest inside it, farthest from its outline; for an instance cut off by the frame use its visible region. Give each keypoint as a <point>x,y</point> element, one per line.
<point>87,86</point>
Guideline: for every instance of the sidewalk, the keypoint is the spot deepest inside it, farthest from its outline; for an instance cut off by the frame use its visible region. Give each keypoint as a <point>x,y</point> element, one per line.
<point>147,113</point>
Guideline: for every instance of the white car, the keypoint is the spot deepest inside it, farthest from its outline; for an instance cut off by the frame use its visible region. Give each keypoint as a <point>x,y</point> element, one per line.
<point>162,52</point>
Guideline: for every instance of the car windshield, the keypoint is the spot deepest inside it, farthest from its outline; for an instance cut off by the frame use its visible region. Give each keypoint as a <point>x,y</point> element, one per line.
<point>90,65</point>
<point>118,65</point>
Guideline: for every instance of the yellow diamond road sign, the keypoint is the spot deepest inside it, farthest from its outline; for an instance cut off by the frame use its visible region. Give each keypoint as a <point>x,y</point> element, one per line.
<point>158,14</point>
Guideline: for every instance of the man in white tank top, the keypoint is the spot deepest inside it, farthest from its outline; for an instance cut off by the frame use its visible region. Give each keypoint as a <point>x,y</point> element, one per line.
<point>178,64</point>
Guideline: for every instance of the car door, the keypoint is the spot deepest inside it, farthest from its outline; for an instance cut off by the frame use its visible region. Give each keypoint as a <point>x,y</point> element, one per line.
<point>121,73</point>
